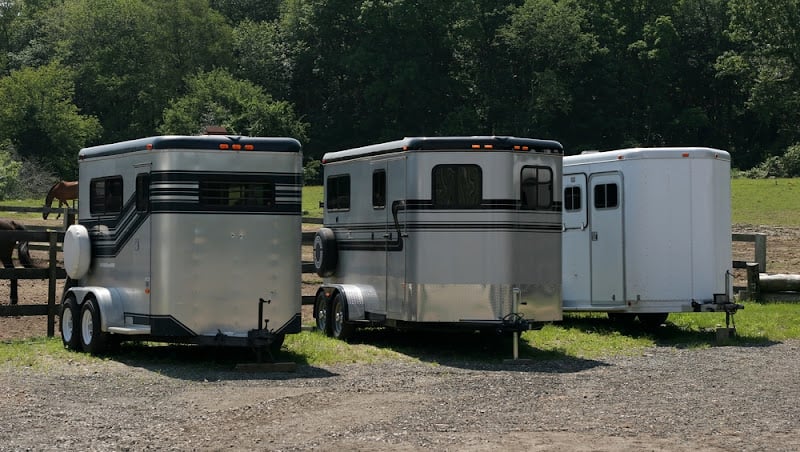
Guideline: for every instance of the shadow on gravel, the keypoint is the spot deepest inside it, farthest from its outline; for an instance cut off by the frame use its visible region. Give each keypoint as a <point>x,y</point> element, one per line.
<point>197,363</point>
<point>471,350</point>
<point>665,335</point>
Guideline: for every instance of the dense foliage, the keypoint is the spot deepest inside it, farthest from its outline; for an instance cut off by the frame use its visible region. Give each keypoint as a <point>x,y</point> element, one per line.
<point>593,74</point>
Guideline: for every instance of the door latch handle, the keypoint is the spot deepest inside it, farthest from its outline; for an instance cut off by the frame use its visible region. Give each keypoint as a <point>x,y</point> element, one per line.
<point>594,236</point>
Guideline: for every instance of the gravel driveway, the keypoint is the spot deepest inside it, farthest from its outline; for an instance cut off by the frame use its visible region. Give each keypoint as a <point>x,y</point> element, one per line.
<point>720,398</point>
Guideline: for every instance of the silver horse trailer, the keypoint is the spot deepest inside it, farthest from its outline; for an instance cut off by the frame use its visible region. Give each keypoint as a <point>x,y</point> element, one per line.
<point>191,239</point>
<point>647,232</point>
<point>441,232</point>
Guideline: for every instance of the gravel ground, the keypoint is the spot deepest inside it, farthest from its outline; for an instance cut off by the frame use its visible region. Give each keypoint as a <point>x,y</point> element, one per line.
<point>720,398</point>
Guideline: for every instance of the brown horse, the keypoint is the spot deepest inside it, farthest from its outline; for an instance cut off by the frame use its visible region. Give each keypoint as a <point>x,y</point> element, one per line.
<point>62,191</point>
<point>6,250</point>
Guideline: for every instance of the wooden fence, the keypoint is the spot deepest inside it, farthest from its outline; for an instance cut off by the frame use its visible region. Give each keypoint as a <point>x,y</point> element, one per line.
<point>52,273</point>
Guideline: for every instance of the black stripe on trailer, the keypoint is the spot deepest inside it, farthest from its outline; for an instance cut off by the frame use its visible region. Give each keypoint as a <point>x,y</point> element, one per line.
<point>477,143</point>
<point>204,142</point>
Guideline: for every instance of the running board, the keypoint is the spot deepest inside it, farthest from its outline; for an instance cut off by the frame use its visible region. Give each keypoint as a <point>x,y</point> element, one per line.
<point>129,330</point>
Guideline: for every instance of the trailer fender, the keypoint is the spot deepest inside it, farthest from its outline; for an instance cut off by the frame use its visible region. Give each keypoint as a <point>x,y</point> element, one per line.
<point>108,300</point>
<point>357,298</point>
<point>77,251</point>
<point>326,255</point>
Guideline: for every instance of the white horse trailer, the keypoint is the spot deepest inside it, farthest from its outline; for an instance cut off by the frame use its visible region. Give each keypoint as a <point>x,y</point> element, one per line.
<point>189,239</point>
<point>441,232</point>
<point>647,232</point>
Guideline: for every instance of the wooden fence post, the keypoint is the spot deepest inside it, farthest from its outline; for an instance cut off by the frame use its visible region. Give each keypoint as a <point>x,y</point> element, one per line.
<point>51,288</point>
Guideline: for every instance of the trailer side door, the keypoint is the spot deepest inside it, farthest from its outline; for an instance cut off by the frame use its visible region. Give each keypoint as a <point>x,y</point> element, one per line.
<point>396,238</point>
<point>607,238</point>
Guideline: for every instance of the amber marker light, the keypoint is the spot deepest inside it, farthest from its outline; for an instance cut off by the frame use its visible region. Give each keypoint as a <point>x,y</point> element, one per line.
<point>224,146</point>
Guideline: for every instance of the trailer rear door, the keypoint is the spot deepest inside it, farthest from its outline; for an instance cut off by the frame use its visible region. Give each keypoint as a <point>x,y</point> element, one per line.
<point>607,236</point>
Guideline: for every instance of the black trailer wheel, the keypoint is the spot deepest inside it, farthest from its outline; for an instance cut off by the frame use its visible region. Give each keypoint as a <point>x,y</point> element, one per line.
<point>340,327</point>
<point>93,340</point>
<point>322,311</point>
<point>69,322</point>
<point>653,320</point>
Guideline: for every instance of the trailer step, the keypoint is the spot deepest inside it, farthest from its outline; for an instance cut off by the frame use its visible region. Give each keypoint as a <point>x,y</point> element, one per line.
<point>129,330</point>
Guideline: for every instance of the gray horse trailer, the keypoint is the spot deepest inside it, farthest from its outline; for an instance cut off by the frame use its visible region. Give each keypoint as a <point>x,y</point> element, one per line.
<point>187,239</point>
<point>441,232</point>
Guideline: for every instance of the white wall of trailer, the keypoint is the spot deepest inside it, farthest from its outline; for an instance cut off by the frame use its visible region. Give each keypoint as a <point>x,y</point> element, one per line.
<point>666,244</point>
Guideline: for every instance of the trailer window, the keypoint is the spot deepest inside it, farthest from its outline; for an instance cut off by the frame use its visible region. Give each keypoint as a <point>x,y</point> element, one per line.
<point>143,192</point>
<point>536,188</point>
<point>572,199</point>
<point>237,195</point>
<point>105,195</point>
<point>457,186</point>
<point>606,196</point>
<point>338,192</point>
<point>379,189</point>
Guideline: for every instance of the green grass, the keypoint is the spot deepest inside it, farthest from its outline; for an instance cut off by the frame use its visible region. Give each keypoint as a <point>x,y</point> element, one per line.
<point>579,336</point>
<point>312,196</point>
<point>774,202</point>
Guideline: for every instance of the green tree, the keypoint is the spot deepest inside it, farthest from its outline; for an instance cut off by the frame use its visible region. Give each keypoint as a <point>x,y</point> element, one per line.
<point>547,42</point>
<point>131,56</point>
<point>38,116</point>
<point>767,64</point>
<point>216,98</point>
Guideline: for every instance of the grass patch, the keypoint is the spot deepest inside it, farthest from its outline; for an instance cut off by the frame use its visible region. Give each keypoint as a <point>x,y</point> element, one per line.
<point>315,348</point>
<point>773,202</point>
<point>37,353</point>
<point>312,196</point>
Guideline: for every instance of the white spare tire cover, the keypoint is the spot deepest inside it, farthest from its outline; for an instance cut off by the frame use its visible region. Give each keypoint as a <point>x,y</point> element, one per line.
<point>77,251</point>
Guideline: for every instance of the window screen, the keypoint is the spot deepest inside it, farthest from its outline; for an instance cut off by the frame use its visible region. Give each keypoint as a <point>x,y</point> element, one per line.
<point>536,188</point>
<point>379,189</point>
<point>572,199</point>
<point>143,192</point>
<point>338,192</point>
<point>457,186</point>
<point>237,194</point>
<point>606,196</point>
<point>105,195</point>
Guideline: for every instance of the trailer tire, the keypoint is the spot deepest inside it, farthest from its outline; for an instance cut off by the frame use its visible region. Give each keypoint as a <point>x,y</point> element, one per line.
<point>77,251</point>
<point>322,311</point>
<point>326,255</point>
<point>340,327</point>
<point>93,340</point>
<point>69,323</point>
<point>653,320</point>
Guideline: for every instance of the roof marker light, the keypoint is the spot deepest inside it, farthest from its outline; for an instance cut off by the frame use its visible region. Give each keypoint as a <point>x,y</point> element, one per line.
<point>237,147</point>
<point>476,146</point>
<point>249,147</point>
<point>149,146</point>
<point>685,154</point>
<point>488,146</point>
<point>224,146</point>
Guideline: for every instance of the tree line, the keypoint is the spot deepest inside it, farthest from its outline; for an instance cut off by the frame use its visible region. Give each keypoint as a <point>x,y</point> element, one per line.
<point>593,74</point>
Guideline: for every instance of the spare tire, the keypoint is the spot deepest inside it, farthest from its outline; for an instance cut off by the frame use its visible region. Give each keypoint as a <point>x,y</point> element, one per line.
<point>77,251</point>
<point>326,256</point>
